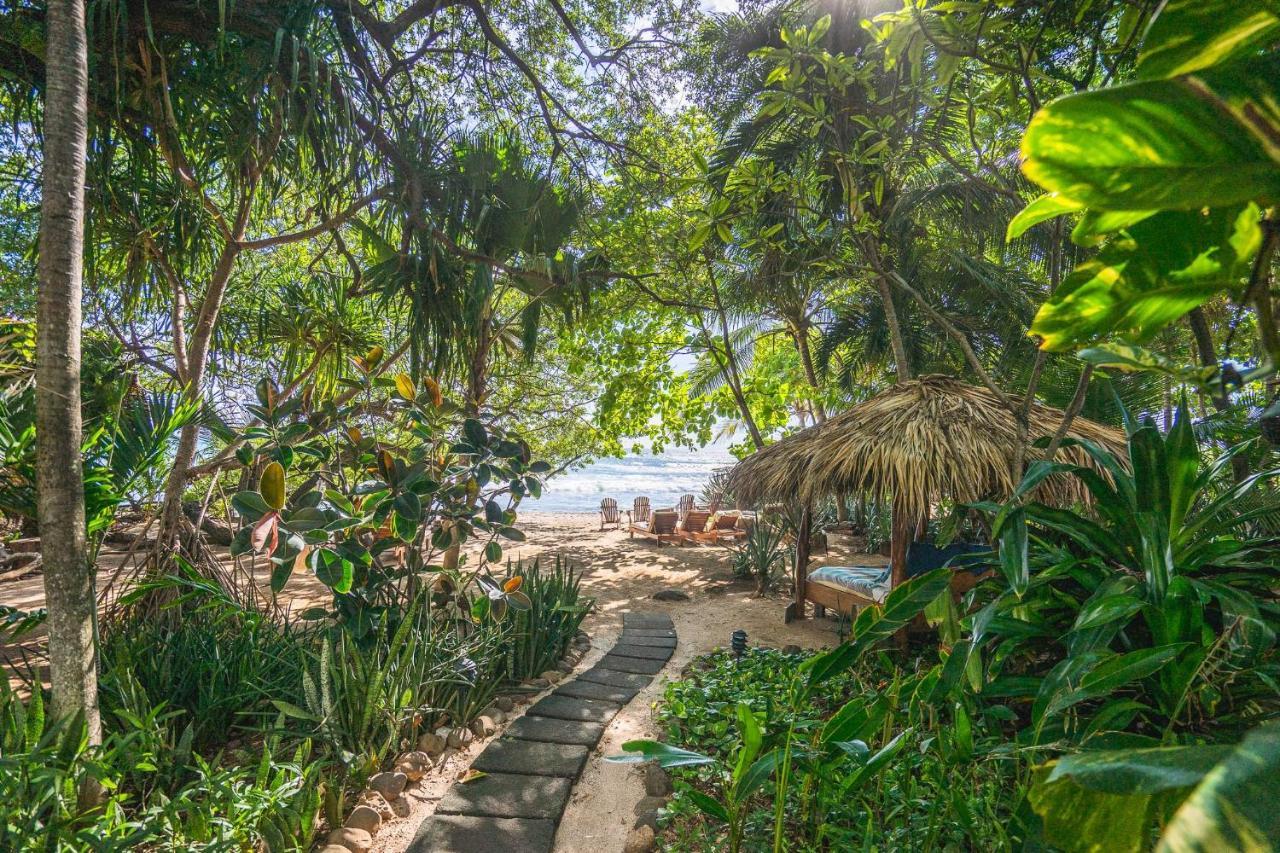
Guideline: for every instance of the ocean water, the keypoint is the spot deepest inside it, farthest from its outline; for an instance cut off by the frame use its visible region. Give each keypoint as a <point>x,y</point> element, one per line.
<point>662,477</point>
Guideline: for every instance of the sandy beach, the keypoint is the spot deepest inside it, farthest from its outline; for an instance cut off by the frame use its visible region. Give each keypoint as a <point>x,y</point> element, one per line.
<point>620,573</point>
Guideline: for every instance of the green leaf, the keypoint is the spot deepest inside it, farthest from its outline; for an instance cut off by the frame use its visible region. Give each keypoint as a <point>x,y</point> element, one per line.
<point>1014,563</point>
<point>307,518</point>
<point>334,571</point>
<point>1186,143</point>
<point>1046,207</point>
<point>291,710</point>
<point>1234,807</point>
<point>708,805</point>
<point>1109,608</point>
<point>1107,674</point>
<point>665,754</point>
<point>1188,35</point>
<point>1154,273</point>
<point>1131,359</point>
<point>1139,771</point>
<point>249,505</point>
<point>752,739</point>
<point>280,574</point>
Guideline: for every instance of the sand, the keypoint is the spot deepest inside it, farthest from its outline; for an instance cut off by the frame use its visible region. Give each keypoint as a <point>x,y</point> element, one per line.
<point>621,574</point>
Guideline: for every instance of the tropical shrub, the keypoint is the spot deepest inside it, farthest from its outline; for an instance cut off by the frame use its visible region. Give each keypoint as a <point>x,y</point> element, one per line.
<point>761,556</point>
<point>779,744</point>
<point>214,660</point>
<point>540,635</point>
<point>394,503</point>
<point>1170,175</point>
<point>155,795</point>
<point>874,766</point>
<point>1153,614</point>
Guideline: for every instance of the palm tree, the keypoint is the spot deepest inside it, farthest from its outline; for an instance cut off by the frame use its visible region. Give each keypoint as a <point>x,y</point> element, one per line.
<point>68,579</point>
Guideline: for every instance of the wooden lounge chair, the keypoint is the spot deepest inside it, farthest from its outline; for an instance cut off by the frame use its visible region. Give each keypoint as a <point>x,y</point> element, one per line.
<point>694,526</point>
<point>639,511</point>
<point>661,527</point>
<point>685,504</point>
<point>609,514</point>
<point>727,527</point>
<point>848,589</point>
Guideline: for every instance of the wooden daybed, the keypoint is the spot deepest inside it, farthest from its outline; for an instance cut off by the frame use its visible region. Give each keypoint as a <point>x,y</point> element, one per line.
<point>846,589</point>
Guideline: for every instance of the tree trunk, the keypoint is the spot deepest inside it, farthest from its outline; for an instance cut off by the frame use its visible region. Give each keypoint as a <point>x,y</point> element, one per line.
<point>197,356</point>
<point>68,580</point>
<point>901,363</point>
<point>800,335</point>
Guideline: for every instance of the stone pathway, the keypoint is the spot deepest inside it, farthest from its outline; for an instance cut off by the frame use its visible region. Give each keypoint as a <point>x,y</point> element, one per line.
<point>531,769</point>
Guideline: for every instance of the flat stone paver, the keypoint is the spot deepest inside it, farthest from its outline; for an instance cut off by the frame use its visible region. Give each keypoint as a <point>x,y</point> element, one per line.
<point>635,638</point>
<point>647,620</point>
<point>636,665</point>
<point>568,708</point>
<point>532,758</point>
<point>579,689</point>
<point>662,633</point>
<point>644,652</point>
<point>615,678</point>
<point>551,730</point>
<point>469,834</point>
<point>528,773</point>
<point>508,795</point>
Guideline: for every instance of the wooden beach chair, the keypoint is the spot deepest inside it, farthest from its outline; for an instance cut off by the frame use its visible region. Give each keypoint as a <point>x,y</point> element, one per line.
<point>609,514</point>
<point>639,512</point>
<point>660,527</point>
<point>694,526</point>
<point>727,527</point>
<point>685,504</point>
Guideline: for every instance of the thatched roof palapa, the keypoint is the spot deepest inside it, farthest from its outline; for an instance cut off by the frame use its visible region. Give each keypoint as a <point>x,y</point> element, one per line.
<point>922,441</point>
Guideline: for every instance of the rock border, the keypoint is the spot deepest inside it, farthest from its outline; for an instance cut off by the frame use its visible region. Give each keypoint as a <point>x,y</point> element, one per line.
<point>517,803</point>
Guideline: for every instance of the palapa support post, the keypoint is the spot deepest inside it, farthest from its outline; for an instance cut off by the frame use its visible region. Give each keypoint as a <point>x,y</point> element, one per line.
<point>795,610</point>
<point>899,541</point>
<point>903,530</point>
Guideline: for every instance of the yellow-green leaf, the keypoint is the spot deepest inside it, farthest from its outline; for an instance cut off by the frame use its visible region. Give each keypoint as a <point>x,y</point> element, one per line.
<point>272,485</point>
<point>405,386</point>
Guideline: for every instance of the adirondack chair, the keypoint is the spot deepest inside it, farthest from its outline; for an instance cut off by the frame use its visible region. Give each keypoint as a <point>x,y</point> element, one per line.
<point>660,526</point>
<point>639,512</point>
<point>609,514</point>
<point>683,507</point>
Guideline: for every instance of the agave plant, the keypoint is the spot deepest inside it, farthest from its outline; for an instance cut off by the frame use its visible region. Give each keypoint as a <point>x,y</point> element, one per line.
<point>1155,603</point>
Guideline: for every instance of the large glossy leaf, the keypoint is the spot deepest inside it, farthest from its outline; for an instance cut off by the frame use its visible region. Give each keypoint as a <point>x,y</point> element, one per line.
<point>1189,35</point>
<point>1044,208</point>
<point>272,485</point>
<point>1206,140</point>
<point>1234,807</point>
<point>1109,801</point>
<point>1152,274</point>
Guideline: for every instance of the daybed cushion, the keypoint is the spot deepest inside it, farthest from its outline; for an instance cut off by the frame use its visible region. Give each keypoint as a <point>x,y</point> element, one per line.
<point>871,582</point>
